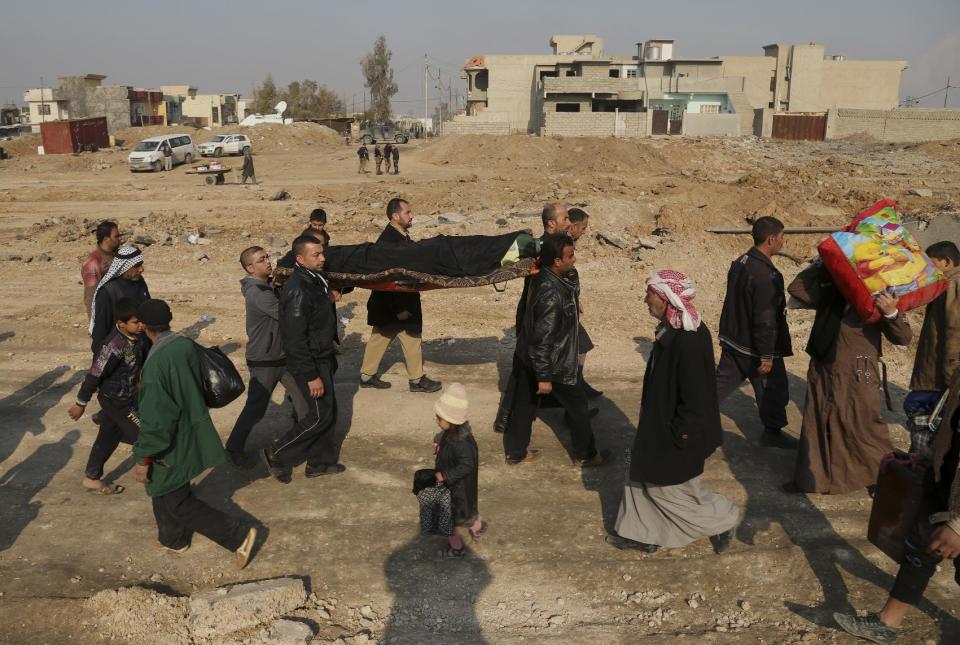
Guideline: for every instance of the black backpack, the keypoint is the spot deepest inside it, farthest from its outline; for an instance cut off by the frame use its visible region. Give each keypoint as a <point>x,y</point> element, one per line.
<point>220,379</point>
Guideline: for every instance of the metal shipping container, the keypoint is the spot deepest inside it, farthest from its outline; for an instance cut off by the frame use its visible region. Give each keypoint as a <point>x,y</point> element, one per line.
<point>66,137</point>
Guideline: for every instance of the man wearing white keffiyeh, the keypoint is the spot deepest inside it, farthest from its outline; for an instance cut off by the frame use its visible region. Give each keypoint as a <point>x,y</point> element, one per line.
<point>124,279</point>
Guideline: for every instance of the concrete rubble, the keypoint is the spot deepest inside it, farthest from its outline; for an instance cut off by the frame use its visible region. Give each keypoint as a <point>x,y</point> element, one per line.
<point>237,607</point>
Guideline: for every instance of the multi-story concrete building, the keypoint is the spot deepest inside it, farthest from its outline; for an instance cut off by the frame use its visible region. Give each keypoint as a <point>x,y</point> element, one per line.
<point>579,90</point>
<point>45,105</point>
<point>204,109</point>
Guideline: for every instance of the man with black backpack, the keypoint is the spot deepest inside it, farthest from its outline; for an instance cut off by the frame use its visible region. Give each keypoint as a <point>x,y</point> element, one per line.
<point>177,442</point>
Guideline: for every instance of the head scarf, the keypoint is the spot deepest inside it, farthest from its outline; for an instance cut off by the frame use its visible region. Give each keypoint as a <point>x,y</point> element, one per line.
<point>125,259</point>
<point>677,290</point>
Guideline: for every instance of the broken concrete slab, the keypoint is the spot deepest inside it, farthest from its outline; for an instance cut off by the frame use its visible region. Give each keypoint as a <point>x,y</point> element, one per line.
<point>287,632</point>
<point>648,242</point>
<point>236,607</point>
<point>920,192</point>
<point>613,239</point>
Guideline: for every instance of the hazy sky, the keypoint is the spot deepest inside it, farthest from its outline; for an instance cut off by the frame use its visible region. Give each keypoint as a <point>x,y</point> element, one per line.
<point>227,46</point>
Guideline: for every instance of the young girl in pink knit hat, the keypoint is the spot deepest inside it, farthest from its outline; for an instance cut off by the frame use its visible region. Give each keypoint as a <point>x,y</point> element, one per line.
<point>457,463</point>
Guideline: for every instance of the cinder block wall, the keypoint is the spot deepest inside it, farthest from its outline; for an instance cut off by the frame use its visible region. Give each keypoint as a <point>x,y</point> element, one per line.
<point>711,125</point>
<point>895,126</point>
<point>595,124</point>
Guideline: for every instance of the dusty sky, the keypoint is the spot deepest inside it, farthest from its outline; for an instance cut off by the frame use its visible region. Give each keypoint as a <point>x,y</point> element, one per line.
<point>227,46</point>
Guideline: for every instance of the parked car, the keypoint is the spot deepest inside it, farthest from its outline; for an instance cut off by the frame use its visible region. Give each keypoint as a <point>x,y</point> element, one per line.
<point>147,155</point>
<point>381,133</point>
<point>225,144</point>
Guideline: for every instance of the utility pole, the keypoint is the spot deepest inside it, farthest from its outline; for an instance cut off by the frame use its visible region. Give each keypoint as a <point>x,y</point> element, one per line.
<point>946,92</point>
<point>42,120</point>
<point>426,99</point>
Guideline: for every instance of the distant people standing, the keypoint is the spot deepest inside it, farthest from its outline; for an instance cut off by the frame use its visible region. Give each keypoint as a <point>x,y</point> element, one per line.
<point>387,157</point>
<point>98,262</point>
<point>396,160</point>
<point>754,337</point>
<point>248,171</point>
<point>378,157</point>
<point>178,441</point>
<point>167,155</point>
<point>364,156</point>
<point>123,280</point>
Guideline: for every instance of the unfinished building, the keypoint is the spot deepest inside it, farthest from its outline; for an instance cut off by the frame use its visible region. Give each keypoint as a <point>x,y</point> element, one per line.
<point>578,90</point>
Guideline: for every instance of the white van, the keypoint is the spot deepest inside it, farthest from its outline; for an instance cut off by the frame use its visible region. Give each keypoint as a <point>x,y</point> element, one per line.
<point>148,155</point>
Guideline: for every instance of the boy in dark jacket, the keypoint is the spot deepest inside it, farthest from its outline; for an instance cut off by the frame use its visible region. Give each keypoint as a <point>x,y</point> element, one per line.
<point>754,337</point>
<point>115,376</point>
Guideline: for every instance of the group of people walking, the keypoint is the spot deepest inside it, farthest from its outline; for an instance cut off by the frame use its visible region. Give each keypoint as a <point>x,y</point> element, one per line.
<point>147,381</point>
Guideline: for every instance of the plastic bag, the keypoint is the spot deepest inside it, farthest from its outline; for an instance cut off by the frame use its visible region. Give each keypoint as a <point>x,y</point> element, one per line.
<point>220,379</point>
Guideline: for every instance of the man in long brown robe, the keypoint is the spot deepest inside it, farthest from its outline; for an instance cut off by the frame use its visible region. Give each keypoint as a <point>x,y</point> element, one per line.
<point>843,438</point>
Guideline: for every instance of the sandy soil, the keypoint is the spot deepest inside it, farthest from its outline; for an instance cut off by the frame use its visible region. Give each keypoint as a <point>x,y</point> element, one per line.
<point>543,572</point>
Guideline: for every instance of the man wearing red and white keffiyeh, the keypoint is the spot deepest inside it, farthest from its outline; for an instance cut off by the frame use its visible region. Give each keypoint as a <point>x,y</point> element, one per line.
<point>677,291</point>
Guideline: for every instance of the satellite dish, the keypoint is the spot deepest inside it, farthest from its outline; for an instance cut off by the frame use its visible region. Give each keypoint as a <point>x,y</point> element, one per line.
<point>280,107</point>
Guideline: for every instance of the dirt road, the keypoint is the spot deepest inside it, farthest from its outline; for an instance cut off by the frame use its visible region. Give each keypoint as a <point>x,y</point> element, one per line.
<point>543,572</point>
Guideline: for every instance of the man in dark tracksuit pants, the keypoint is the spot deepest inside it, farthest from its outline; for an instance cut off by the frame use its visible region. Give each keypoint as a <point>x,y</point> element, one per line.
<point>308,329</point>
<point>754,337</point>
<point>265,358</point>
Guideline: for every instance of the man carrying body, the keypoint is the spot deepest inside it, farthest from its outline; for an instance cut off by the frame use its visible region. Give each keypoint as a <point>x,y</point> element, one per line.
<point>265,358</point>
<point>555,219</point>
<point>308,330</point>
<point>395,315</point>
<point>579,221</point>
<point>124,280</point>
<point>98,262</point>
<point>545,360</point>
<point>178,441</point>
<point>754,337</point>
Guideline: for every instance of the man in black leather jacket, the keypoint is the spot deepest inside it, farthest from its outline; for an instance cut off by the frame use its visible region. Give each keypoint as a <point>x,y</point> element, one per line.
<point>545,360</point>
<point>754,337</point>
<point>308,329</point>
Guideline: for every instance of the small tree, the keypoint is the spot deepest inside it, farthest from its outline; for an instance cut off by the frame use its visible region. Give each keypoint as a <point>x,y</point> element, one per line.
<point>265,96</point>
<point>378,76</point>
